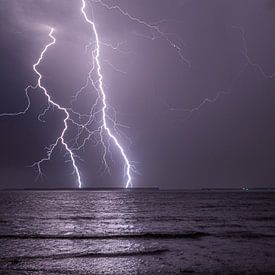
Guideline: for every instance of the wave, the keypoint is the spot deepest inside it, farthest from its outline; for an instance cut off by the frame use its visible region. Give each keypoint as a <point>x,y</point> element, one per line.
<point>263,219</point>
<point>146,235</point>
<point>245,235</point>
<point>18,259</point>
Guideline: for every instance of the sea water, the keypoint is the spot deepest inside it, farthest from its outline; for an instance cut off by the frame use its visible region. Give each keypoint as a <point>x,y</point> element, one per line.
<point>146,232</point>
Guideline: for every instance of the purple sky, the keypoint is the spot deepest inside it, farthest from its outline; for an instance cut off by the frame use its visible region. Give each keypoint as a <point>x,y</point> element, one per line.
<point>230,46</point>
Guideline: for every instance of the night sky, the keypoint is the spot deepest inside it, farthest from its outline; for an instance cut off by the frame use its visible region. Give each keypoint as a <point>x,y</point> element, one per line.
<point>228,50</point>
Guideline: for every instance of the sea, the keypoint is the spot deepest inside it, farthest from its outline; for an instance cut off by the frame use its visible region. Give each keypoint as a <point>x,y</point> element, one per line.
<point>137,232</point>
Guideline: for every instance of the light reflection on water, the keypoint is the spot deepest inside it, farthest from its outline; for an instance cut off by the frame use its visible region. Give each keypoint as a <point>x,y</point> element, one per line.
<point>136,232</point>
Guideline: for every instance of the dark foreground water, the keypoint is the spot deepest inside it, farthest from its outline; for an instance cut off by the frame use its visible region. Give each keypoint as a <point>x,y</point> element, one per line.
<point>136,232</point>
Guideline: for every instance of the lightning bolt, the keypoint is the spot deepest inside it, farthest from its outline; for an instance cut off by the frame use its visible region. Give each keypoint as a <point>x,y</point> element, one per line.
<point>51,102</point>
<point>158,33</point>
<point>64,110</point>
<point>27,107</point>
<point>101,113</point>
<point>197,108</point>
<point>249,60</point>
<point>153,27</point>
<point>98,85</point>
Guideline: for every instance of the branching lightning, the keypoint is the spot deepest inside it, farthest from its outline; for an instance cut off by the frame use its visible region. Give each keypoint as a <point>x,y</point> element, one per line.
<point>100,124</point>
<point>249,61</point>
<point>153,27</point>
<point>67,117</point>
<point>102,116</point>
<point>207,100</point>
<point>99,108</point>
<point>102,96</point>
<point>108,122</point>
<point>51,102</point>
<point>157,33</point>
<point>27,107</point>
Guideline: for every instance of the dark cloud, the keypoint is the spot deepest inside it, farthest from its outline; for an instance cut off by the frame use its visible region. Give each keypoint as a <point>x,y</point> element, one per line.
<point>271,4</point>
